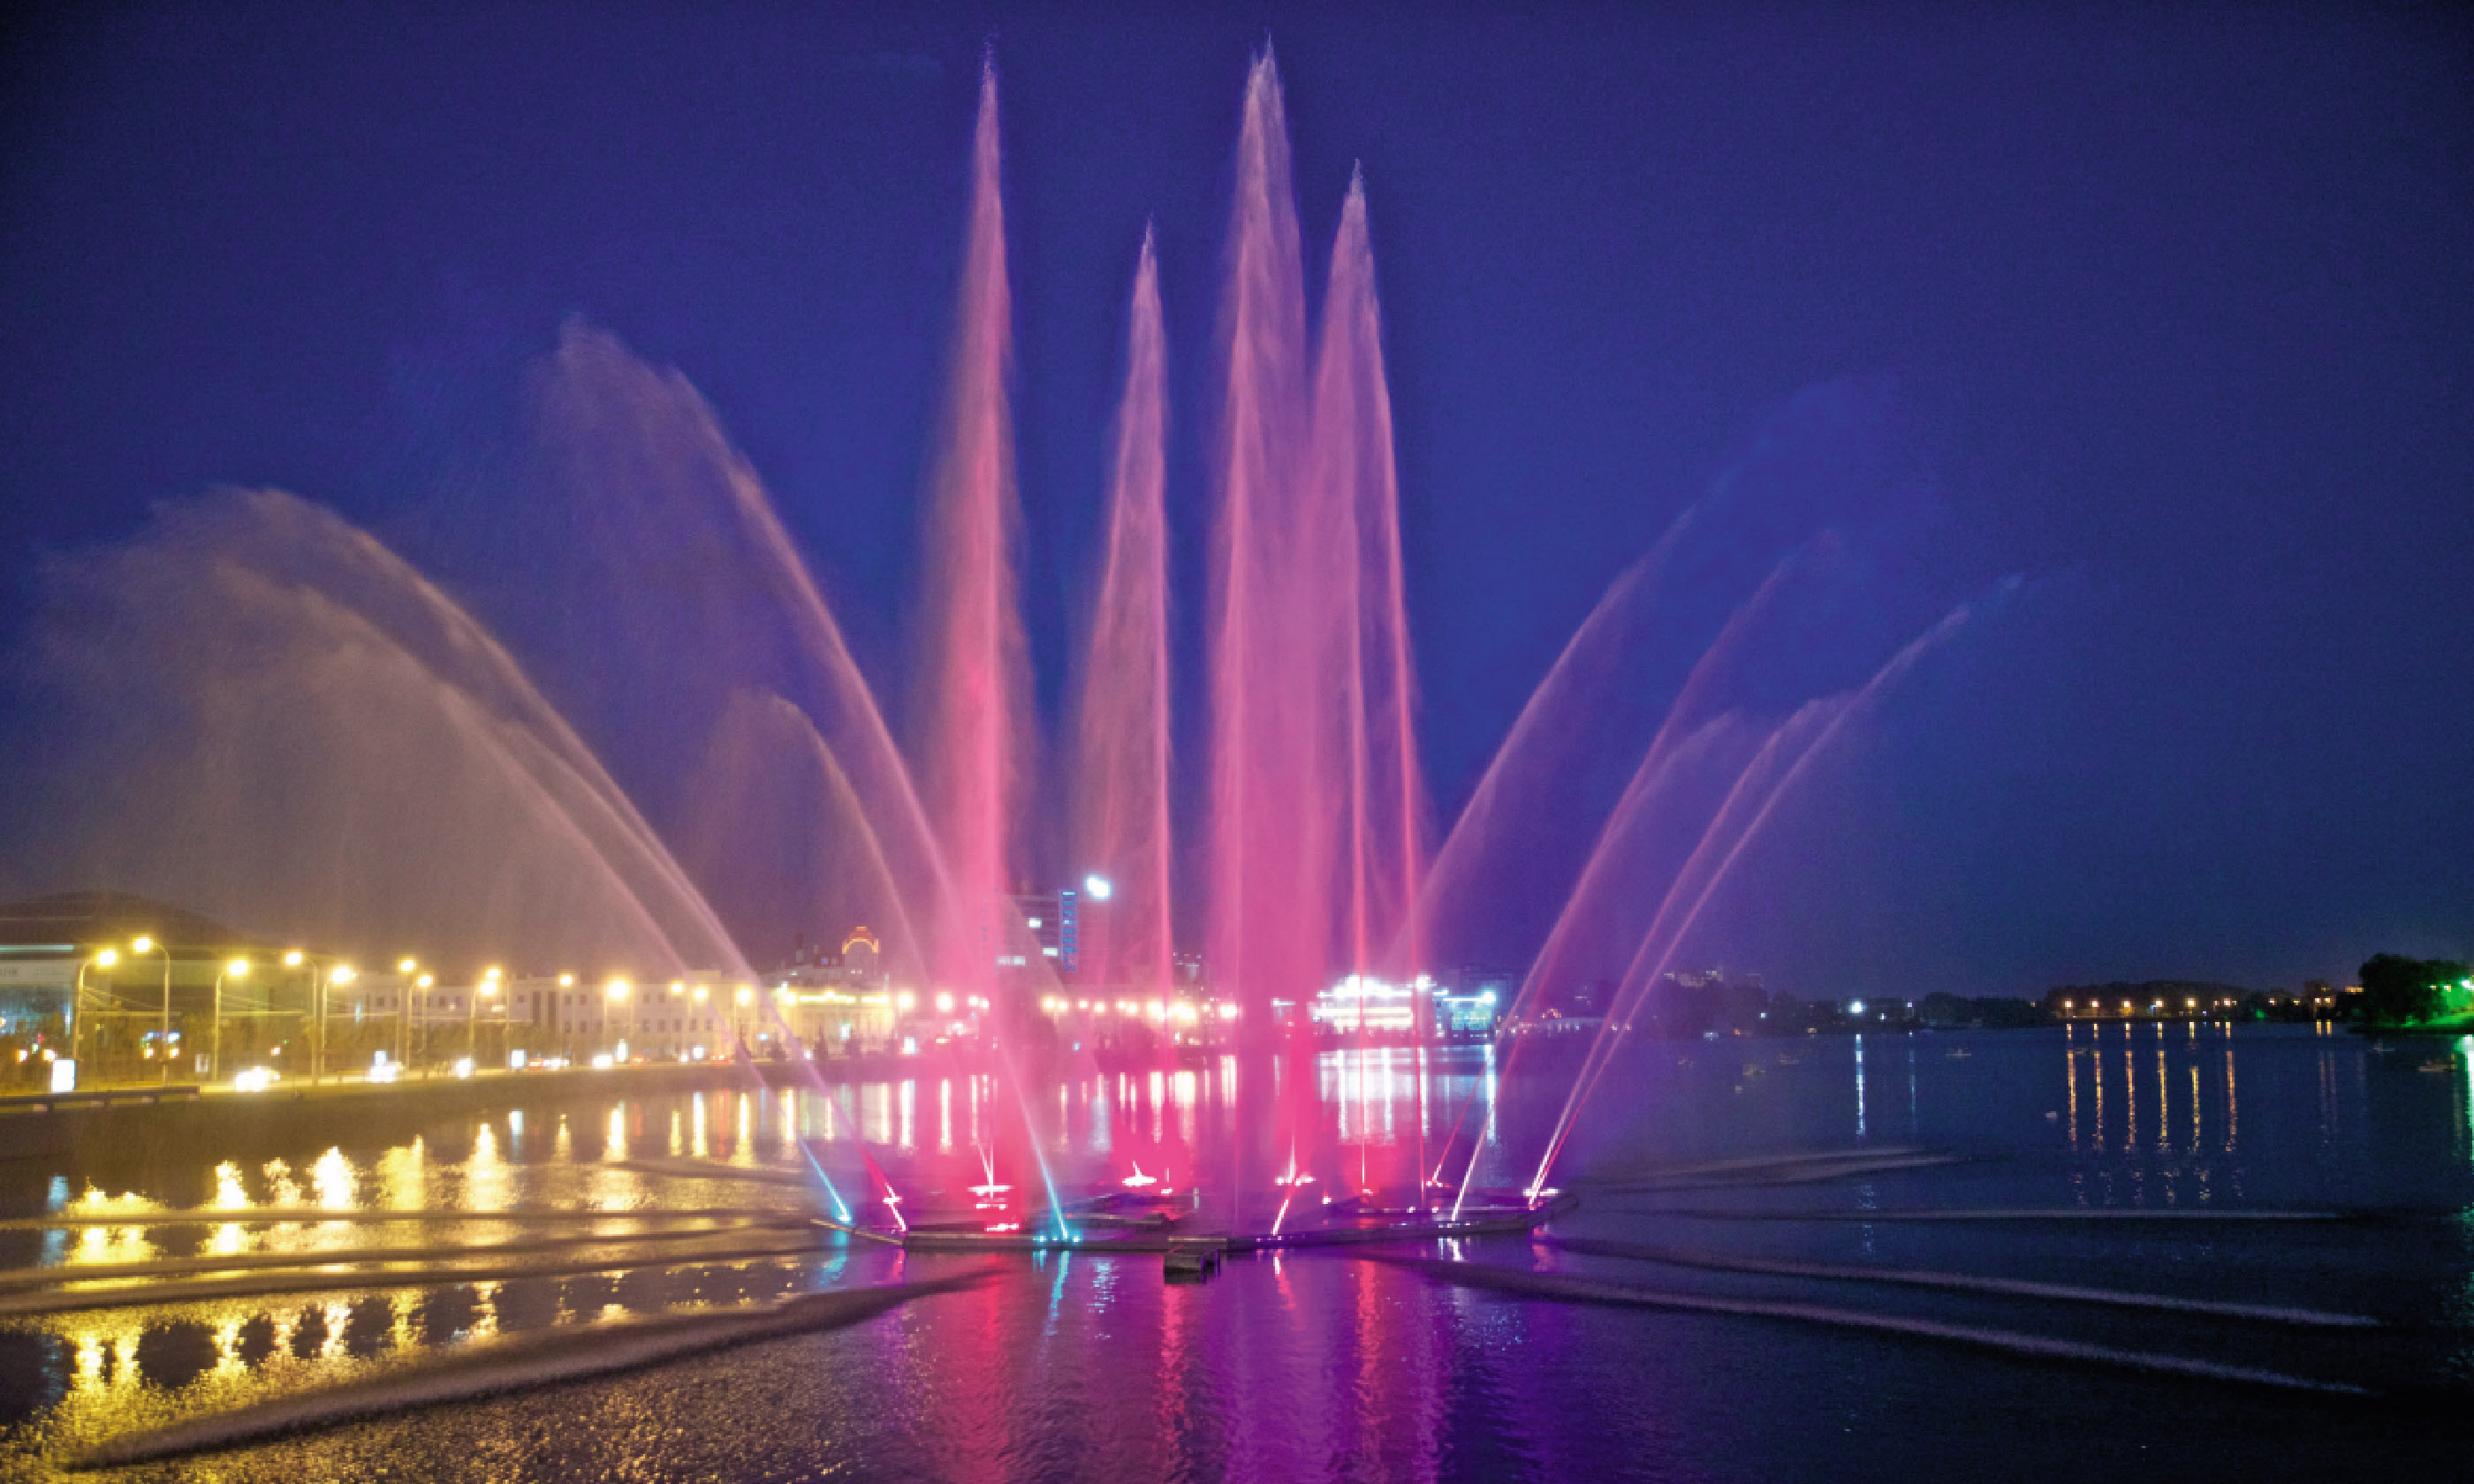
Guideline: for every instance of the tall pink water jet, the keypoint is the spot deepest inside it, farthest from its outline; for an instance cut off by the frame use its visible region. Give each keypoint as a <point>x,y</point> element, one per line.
<point>1121,726</point>
<point>974,725</point>
<point>1358,480</point>
<point>1275,764</point>
<point>1355,482</point>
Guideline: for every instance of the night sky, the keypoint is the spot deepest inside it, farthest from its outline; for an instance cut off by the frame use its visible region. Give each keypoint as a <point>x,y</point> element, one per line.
<point>2179,299</point>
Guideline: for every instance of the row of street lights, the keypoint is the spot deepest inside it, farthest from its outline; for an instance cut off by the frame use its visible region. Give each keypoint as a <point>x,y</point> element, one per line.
<point>324,978</point>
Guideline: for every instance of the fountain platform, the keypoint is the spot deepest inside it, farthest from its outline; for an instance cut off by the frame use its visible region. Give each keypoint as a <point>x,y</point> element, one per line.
<point>1117,1224</point>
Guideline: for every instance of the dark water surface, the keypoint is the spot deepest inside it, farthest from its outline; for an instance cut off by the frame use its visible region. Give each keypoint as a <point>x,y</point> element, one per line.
<point>1322,1364</point>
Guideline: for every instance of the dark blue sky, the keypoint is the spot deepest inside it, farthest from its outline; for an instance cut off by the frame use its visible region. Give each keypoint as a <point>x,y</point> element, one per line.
<point>2182,296</point>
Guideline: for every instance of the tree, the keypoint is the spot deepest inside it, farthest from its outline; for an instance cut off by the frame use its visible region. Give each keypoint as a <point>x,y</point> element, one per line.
<point>2399,991</point>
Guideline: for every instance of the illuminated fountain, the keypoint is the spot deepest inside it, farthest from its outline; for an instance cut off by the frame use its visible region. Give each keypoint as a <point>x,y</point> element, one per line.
<point>406,721</point>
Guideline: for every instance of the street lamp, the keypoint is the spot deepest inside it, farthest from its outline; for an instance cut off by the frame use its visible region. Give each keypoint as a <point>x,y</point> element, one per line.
<point>236,968</point>
<point>618,993</point>
<point>164,1037</point>
<point>489,986</point>
<point>341,973</point>
<point>404,969</point>
<point>404,1021</point>
<point>76,998</point>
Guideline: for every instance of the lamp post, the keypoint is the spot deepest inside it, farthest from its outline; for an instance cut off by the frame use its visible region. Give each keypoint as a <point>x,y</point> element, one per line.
<point>746,996</point>
<point>488,986</point>
<point>236,968</point>
<point>293,958</point>
<point>618,993</point>
<point>405,967</point>
<point>76,998</point>
<point>341,973</point>
<point>144,943</point>
<point>422,984</point>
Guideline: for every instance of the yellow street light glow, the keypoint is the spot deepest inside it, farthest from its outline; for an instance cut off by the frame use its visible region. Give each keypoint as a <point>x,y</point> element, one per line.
<point>491,972</point>
<point>108,957</point>
<point>142,945</point>
<point>618,988</point>
<point>406,965</point>
<point>567,981</point>
<point>238,968</point>
<point>699,995</point>
<point>292,960</point>
<point>745,995</point>
<point>489,989</point>
<point>904,1001</point>
<point>425,981</point>
<point>343,973</point>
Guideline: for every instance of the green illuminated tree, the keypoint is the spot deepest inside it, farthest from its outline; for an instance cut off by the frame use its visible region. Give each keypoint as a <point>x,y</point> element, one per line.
<point>2399,991</point>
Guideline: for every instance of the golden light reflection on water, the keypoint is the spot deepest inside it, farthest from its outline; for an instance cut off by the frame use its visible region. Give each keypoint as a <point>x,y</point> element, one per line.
<point>2071,1076</point>
<point>489,1180</point>
<point>335,1316</point>
<point>336,1180</point>
<point>2195,1135</point>
<point>246,1347</point>
<point>485,1311</point>
<point>2184,1158</point>
<point>403,1177</point>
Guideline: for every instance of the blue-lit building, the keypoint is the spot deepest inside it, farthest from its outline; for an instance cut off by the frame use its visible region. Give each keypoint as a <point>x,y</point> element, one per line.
<point>1051,926</point>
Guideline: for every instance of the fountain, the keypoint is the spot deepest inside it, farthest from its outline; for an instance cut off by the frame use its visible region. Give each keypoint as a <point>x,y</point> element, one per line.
<point>412,742</point>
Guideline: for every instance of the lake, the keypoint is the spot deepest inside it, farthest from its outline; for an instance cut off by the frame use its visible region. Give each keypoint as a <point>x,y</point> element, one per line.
<point>2202,1347</point>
